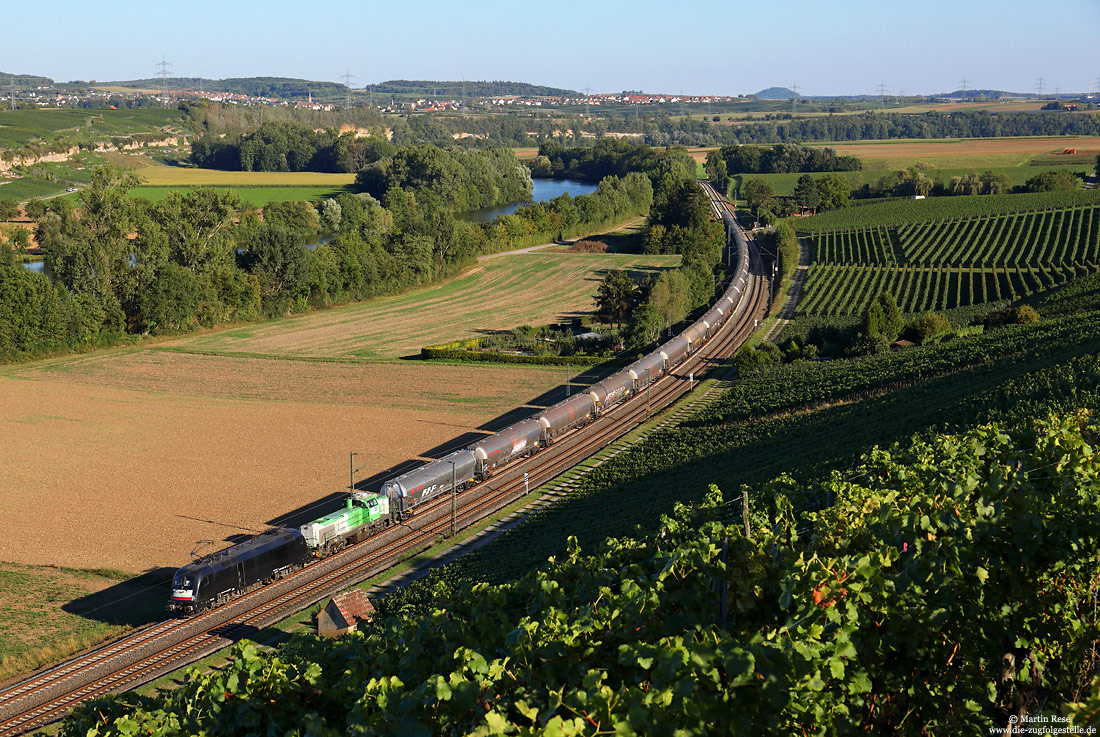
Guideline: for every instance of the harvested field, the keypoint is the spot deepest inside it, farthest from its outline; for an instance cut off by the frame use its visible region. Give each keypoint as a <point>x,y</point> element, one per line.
<point>959,153</point>
<point>124,459</point>
<point>255,196</point>
<point>169,176</point>
<point>498,294</point>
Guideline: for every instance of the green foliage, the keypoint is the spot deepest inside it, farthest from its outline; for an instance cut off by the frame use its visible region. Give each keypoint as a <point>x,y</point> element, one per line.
<point>930,324</point>
<point>1052,181</point>
<point>906,605</point>
<point>289,146</point>
<point>615,297</point>
<point>784,158</point>
<point>465,179</point>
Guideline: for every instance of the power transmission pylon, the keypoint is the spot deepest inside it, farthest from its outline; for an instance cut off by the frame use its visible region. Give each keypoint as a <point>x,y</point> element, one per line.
<point>882,94</point>
<point>963,83</point>
<point>794,97</point>
<point>347,77</point>
<point>1039,83</point>
<point>164,74</point>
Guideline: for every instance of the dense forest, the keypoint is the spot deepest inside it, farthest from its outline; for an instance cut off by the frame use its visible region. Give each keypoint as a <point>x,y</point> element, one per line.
<point>468,180</point>
<point>289,146</point>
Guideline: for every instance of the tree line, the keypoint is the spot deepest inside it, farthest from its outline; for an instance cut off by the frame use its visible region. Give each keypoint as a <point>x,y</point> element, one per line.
<point>680,222</point>
<point>467,179</point>
<point>289,146</point>
<point>118,266</point>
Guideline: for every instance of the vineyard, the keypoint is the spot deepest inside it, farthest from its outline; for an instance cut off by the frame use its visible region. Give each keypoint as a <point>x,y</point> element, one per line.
<point>816,622</point>
<point>899,212</point>
<point>943,264</point>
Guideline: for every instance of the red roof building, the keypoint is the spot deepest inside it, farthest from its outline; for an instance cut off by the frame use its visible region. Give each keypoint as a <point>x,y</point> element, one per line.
<point>343,613</point>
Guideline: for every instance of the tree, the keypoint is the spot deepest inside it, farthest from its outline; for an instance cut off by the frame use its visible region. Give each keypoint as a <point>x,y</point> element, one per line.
<point>278,259</point>
<point>615,297</point>
<point>930,324</point>
<point>1051,181</point>
<point>806,195</point>
<point>893,322</point>
<point>834,191</point>
<point>995,183</point>
<point>758,194</point>
<point>8,210</point>
<point>35,209</point>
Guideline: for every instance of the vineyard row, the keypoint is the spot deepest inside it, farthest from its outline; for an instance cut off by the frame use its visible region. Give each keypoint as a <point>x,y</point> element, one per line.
<point>848,290</point>
<point>1025,240</point>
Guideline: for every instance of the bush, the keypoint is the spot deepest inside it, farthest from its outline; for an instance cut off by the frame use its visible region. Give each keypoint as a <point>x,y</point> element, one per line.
<point>929,324</point>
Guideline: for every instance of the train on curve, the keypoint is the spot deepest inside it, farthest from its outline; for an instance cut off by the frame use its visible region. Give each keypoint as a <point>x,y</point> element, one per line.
<point>216,578</point>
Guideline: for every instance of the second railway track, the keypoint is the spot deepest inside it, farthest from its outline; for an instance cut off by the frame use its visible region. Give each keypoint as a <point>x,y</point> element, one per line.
<point>150,652</point>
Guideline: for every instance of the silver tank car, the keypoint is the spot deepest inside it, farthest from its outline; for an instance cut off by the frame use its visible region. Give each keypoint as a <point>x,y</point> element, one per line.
<point>510,443</point>
<point>563,416</point>
<point>714,319</point>
<point>695,333</point>
<point>674,351</point>
<point>417,486</point>
<point>646,369</point>
<point>612,390</point>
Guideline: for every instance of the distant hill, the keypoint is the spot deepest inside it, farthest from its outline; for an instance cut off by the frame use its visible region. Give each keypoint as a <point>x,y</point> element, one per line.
<point>454,90</point>
<point>286,88</point>
<point>775,93</point>
<point>23,80</point>
<point>994,94</point>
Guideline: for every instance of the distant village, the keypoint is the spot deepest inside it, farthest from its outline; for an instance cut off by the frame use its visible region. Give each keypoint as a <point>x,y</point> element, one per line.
<point>98,97</point>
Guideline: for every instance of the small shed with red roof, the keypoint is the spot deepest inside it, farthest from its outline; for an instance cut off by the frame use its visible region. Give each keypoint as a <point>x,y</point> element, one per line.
<point>343,613</point>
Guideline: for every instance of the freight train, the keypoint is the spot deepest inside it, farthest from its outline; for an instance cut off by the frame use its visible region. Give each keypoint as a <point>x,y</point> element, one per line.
<point>216,578</point>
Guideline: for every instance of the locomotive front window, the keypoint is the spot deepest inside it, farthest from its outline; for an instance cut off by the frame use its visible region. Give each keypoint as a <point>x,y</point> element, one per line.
<point>183,582</point>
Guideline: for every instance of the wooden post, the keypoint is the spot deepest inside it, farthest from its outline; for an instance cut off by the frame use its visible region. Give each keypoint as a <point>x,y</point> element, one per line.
<point>745,511</point>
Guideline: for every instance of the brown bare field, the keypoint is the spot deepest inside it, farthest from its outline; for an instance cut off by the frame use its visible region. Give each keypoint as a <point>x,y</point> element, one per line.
<point>966,146</point>
<point>125,458</point>
<point>499,293</point>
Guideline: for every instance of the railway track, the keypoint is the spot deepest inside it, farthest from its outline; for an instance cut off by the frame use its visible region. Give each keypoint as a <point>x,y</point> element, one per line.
<point>150,652</point>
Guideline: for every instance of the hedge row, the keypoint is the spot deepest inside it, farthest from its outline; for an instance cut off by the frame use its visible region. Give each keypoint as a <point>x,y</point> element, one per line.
<point>448,351</point>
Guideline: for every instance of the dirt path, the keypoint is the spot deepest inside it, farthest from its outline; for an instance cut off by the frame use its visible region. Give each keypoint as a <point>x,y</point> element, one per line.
<point>791,304</point>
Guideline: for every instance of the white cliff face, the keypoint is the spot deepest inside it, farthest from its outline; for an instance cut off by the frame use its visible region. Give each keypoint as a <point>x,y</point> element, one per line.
<point>6,165</point>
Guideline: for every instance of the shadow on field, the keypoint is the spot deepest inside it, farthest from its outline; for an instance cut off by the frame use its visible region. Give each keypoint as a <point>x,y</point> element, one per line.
<point>134,602</point>
<point>331,502</point>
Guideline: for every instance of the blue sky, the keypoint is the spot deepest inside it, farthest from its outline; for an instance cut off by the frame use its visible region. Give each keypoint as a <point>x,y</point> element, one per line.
<point>730,47</point>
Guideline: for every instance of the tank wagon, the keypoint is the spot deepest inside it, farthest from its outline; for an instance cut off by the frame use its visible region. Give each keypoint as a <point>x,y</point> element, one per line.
<point>411,489</point>
<point>216,578</point>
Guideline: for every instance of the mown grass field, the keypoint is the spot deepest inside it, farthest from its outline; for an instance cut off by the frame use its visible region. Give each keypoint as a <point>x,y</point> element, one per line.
<point>48,613</point>
<point>498,294</point>
<point>971,153</point>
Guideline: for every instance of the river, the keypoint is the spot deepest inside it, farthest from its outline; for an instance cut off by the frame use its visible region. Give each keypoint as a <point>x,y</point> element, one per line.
<point>543,190</point>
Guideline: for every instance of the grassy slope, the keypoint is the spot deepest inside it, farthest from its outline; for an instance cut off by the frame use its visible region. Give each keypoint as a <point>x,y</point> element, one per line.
<point>498,294</point>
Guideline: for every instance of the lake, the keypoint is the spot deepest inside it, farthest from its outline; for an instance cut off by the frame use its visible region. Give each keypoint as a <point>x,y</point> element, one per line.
<point>543,190</point>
